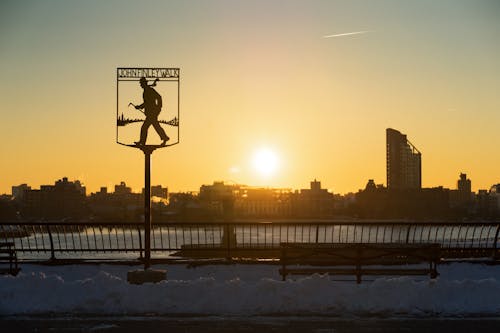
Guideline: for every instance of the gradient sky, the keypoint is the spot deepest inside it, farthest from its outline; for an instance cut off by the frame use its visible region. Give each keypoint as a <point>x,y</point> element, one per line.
<point>253,74</point>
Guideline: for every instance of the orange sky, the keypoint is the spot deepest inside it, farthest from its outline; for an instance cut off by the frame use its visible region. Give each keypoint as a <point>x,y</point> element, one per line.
<point>253,74</point>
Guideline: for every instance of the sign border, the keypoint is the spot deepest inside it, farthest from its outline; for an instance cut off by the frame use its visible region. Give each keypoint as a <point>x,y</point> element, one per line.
<point>170,79</point>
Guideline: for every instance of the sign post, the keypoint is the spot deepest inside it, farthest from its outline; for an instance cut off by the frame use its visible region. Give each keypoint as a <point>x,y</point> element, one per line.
<point>157,107</point>
<point>147,207</point>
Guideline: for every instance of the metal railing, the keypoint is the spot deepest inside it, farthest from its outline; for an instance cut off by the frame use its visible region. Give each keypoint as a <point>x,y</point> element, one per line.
<point>41,241</point>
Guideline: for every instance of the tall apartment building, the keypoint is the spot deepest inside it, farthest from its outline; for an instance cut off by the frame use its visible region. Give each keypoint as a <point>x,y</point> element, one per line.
<point>464,188</point>
<point>404,162</point>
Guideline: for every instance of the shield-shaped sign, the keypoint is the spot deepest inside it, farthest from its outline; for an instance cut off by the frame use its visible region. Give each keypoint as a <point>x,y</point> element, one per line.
<point>147,107</point>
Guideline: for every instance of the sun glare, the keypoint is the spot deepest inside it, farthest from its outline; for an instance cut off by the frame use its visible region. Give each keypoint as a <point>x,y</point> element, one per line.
<point>265,161</point>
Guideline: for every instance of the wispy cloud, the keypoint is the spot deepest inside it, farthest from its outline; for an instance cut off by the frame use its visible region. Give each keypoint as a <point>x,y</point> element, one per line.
<point>349,33</point>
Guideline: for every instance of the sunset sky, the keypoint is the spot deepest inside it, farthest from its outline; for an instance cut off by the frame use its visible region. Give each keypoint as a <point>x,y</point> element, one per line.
<point>313,84</point>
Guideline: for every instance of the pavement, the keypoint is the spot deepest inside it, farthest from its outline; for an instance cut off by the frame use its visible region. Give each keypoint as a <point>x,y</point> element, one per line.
<point>283,324</point>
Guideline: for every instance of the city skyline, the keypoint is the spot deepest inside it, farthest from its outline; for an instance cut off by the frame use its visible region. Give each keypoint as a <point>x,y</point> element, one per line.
<point>311,85</point>
<point>462,177</point>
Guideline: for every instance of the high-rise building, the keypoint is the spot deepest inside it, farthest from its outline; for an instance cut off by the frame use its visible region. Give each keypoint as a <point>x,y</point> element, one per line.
<point>464,188</point>
<point>404,162</point>
<point>462,196</point>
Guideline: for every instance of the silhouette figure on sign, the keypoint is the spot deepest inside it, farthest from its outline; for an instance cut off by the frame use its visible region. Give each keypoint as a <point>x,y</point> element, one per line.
<point>152,104</point>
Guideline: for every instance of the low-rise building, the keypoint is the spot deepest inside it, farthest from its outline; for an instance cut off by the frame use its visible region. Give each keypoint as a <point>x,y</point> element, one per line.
<point>64,199</point>
<point>314,202</point>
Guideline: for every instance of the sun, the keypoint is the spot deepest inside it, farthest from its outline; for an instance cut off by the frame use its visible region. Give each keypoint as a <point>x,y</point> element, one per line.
<point>265,161</point>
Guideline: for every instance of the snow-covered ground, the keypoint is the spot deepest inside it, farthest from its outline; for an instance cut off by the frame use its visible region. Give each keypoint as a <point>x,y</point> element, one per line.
<point>246,290</point>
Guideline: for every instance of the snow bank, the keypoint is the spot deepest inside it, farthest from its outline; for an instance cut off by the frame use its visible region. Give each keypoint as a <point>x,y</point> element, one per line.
<point>461,290</point>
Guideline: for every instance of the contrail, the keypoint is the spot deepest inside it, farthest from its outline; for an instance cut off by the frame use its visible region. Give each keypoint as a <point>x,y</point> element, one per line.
<point>348,33</point>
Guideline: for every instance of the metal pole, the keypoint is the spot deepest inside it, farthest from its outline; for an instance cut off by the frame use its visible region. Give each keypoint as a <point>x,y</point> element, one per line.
<point>147,208</point>
<point>52,252</point>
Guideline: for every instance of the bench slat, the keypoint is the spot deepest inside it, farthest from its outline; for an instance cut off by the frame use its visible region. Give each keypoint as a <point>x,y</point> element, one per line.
<point>358,255</point>
<point>351,271</point>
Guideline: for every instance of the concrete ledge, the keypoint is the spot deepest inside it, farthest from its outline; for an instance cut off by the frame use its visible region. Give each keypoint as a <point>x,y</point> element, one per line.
<point>146,276</point>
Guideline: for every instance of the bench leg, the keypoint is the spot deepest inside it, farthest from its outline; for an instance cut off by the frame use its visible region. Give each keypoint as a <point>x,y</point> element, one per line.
<point>283,273</point>
<point>434,274</point>
<point>358,274</point>
<point>283,267</point>
<point>358,266</point>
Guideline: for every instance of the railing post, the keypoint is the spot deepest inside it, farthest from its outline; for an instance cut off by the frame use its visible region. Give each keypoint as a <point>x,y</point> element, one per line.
<point>52,251</point>
<point>408,234</point>
<point>317,233</point>
<point>495,245</point>
<point>140,241</point>
<point>228,241</point>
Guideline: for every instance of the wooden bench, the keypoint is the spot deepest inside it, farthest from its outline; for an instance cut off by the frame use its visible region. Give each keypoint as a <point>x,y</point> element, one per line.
<point>353,259</point>
<point>8,256</point>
